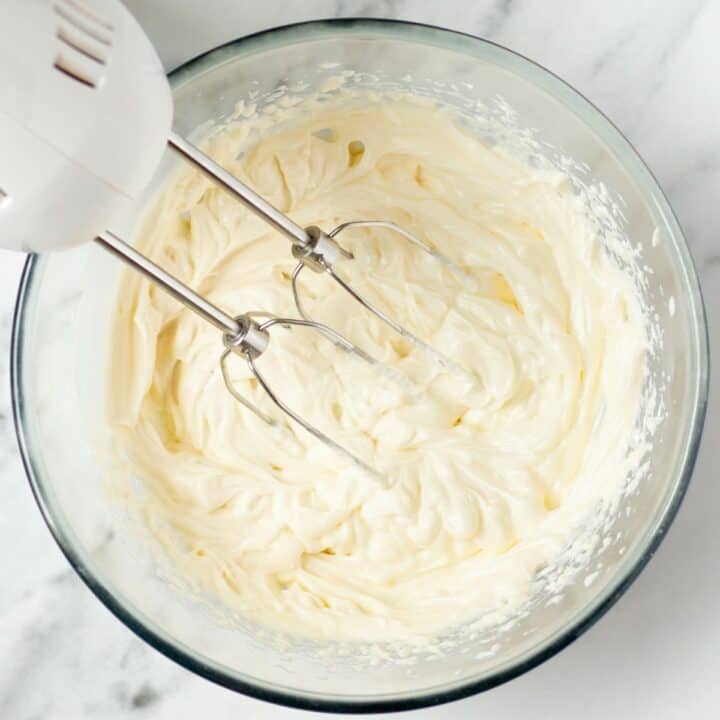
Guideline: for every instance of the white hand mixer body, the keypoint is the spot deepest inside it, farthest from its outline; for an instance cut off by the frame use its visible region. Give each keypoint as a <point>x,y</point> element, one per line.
<point>86,113</point>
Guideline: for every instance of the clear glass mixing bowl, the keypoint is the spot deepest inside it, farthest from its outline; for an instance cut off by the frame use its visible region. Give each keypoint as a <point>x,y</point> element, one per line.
<point>58,375</point>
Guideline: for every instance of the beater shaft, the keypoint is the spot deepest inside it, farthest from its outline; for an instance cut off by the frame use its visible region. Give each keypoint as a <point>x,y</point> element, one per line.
<point>179,290</point>
<point>238,189</point>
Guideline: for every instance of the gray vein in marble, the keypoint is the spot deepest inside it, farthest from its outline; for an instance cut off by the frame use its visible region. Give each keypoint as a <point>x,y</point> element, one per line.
<point>371,8</point>
<point>677,40</point>
<point>619,45</point>
<point>496,18</point>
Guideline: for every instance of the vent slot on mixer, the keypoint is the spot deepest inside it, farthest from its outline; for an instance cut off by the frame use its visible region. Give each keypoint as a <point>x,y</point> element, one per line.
<point>72,70</point>
<point>85,41</point>
<point>78,43</point>
<point>83,22</point>
<point>89,13</point>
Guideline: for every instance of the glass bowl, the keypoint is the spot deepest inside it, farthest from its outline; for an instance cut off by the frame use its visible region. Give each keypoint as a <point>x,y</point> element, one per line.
<point>59,361</point>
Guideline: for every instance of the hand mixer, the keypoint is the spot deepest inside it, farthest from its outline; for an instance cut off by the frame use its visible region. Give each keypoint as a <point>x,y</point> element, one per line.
<point>85,115</point>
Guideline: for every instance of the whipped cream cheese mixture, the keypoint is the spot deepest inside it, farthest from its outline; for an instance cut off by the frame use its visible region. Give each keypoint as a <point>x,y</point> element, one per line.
<point>488,476</point>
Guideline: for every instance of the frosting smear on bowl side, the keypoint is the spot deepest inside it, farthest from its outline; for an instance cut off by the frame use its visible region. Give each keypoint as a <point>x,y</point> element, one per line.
<point>488,476</point>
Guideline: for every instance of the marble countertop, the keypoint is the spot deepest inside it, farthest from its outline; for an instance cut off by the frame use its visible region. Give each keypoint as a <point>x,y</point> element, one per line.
<point>652,67</point>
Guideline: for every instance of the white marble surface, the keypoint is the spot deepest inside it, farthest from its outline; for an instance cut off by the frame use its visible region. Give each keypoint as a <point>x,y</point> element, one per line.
<point>652,67</point>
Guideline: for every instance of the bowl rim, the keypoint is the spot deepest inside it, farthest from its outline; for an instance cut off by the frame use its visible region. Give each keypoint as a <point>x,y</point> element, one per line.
<point>334,27</point>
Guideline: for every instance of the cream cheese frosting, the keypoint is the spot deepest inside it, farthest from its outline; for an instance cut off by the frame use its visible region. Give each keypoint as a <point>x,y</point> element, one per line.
<point>488,476</point>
